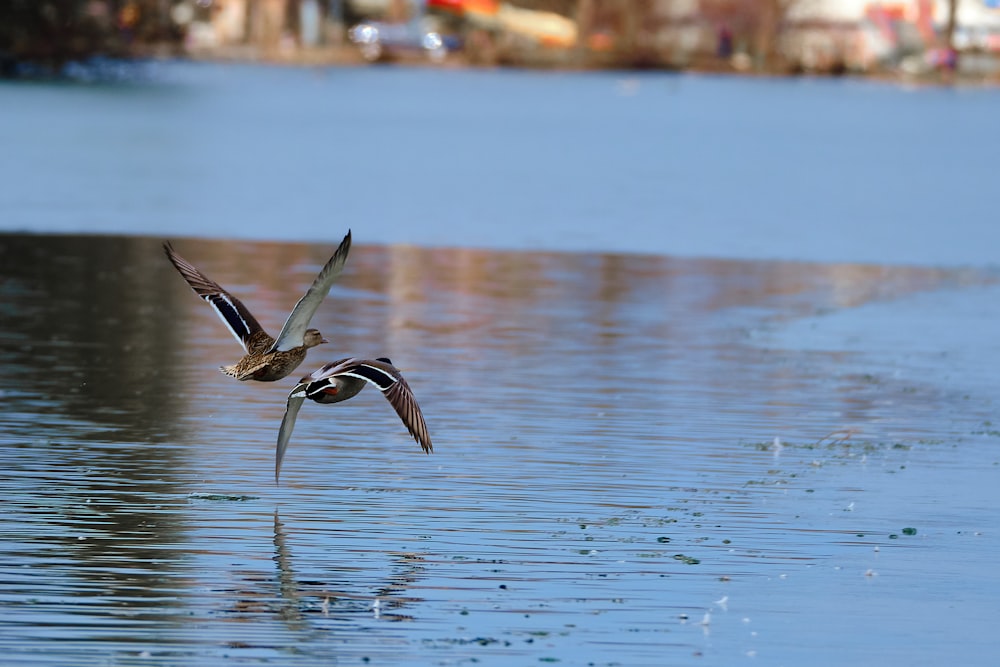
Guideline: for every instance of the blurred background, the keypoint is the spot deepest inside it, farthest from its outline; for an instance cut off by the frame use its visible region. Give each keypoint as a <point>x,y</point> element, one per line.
<point>914,38</point>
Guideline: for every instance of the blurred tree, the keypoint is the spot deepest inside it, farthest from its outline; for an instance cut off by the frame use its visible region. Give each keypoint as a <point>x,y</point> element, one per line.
<point>50,33</point>
<point>949,32</point>
<point>757,24</point>
<point>950,64</point>
<point>630,28</point>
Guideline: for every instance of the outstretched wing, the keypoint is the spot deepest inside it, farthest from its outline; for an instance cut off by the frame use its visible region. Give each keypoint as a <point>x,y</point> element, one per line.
<point>390,382</point>
<point>293,332</point>
<point>378,372</point>
<point>287,425</point>
<point>230,309</point>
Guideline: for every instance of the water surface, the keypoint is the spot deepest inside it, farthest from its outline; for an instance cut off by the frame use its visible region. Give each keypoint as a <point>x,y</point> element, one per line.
<point>707,363</point>
<point>801,169</point>
<point>606,487</point>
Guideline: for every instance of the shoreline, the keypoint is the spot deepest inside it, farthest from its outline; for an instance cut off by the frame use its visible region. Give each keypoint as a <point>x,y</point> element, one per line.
<point>103,67</point>
<point>348,56</point>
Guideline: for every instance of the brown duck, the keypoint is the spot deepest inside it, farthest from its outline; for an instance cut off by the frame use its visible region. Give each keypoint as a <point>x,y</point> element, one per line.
<point>343,379</point>
<point>267,359</point>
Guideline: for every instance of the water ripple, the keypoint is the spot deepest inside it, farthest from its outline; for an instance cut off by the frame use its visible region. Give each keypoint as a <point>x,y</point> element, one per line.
<point>628,461</point>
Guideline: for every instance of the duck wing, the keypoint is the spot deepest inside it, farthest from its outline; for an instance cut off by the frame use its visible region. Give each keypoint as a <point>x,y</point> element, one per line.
<point>388,379</point>
<point>379,372</point>
<point>231,311</point>
<point>293,332</point>
<point>295,399</point>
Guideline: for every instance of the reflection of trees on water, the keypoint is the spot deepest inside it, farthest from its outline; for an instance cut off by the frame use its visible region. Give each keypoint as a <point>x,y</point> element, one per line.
<point>102,333</point>
<point>91,404</point>
<point>523,331</point>
<point>91,337</point>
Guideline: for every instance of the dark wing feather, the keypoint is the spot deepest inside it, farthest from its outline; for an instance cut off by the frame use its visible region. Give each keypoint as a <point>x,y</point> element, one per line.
<point>392,385</point>
<point>231,310</point>
<point>293,332</point>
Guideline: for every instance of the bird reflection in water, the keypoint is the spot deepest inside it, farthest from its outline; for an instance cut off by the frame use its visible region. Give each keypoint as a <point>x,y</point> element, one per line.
<point>301,603</point>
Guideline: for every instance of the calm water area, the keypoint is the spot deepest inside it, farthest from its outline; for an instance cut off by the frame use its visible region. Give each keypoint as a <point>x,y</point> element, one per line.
<point>709,366</point>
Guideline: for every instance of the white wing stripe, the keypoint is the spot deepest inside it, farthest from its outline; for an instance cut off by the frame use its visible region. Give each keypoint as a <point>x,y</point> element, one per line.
<point>378,377</point>
<point>230,316</point>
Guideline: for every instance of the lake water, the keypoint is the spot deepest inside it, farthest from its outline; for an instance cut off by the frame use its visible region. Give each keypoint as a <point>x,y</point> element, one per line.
<point>707,364</point>
<point>801,169</point>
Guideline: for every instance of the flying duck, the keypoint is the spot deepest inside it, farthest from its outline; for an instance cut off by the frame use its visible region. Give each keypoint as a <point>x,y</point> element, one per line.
<point>343,379</point>
<point>267,359</point>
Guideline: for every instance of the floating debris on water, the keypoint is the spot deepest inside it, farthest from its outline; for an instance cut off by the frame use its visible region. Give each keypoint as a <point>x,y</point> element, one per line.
<point>221,496</point>
<point>687,560</point>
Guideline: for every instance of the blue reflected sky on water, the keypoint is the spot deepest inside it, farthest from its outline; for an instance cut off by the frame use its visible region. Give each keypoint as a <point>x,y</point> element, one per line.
<point>672,164</point>
<point>606,485</point>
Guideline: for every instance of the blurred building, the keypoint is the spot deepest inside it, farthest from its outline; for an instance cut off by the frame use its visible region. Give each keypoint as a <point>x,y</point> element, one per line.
<point>863,35</point>
<point>768,35</point>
